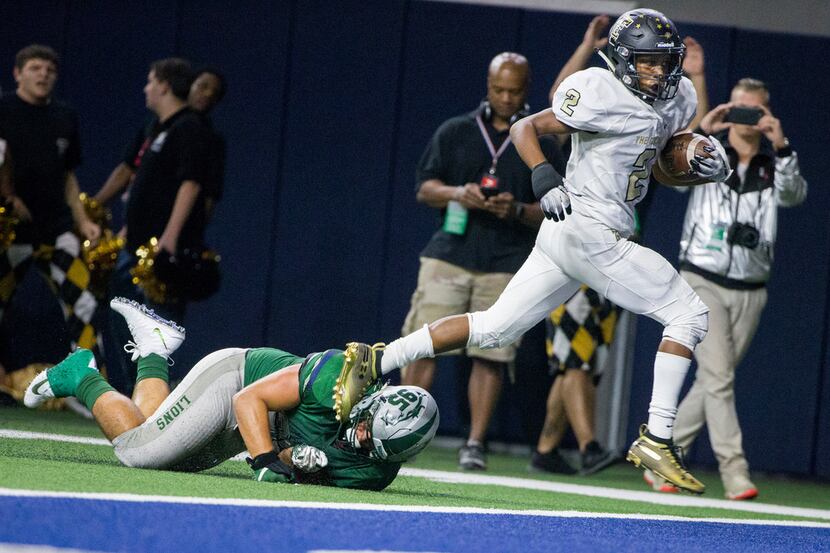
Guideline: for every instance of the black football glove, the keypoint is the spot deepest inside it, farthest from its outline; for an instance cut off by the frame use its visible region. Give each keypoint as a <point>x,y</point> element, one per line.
<point>268,468</point>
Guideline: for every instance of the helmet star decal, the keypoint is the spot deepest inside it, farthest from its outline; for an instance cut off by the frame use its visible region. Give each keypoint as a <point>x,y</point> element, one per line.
<point>644,38</point>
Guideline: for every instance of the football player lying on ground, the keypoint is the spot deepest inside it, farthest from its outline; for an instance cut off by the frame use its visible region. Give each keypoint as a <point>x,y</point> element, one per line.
<point>277,405</point>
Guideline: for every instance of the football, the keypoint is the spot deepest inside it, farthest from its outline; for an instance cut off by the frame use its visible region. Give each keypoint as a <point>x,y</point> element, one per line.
<point>679,151</point>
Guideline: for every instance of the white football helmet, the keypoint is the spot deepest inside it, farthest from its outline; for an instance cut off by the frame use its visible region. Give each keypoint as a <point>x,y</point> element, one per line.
<point>401,421</point>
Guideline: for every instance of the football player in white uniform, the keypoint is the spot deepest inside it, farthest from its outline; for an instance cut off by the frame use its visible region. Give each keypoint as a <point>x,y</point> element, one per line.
<point>620,119</point>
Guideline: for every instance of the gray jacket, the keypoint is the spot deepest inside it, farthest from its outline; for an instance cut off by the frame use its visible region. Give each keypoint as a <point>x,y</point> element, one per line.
<point>715,206</point>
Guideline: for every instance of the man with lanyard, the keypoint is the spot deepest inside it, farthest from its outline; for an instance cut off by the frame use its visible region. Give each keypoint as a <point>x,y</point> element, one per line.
<point>471,172</point>
<point>166,198</point>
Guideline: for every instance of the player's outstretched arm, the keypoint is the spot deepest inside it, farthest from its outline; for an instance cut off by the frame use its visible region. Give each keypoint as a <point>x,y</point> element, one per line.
<point>279,391</point>
<point>525,135</point>
<point>547,182</point>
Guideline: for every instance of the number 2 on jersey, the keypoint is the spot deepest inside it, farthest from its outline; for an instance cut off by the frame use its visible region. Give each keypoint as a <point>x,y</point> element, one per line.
<point>572,97</point>
<point>641,173</point>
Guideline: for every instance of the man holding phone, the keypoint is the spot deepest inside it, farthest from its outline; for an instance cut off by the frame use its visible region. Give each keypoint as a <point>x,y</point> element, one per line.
<point>471,172</point>
<point>726,253</point>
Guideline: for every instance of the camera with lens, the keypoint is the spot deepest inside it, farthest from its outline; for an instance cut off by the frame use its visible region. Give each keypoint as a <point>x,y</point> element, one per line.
<point>740,234</point>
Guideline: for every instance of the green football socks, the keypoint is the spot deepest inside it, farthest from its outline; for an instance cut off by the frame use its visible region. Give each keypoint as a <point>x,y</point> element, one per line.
<point>152,366</point>
<point>91,387</point>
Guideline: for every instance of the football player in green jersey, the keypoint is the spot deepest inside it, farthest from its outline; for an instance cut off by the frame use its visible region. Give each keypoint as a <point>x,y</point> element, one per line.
<point>278,406</point>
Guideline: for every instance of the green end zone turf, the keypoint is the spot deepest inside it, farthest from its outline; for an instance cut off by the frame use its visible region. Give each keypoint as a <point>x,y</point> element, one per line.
<point>58,466</point>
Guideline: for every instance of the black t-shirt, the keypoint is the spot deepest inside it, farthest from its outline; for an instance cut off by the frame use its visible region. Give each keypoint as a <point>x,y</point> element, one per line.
<point>215,174</point>
<point>458,154</point>
<point>142,139</point>
<point>43,143</point>
<point>215,185</point>
<point>178,151</point>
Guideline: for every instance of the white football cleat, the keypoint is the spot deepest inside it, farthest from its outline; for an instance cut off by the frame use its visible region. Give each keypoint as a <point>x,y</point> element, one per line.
<point>151,333</point>
<point>38,391</point>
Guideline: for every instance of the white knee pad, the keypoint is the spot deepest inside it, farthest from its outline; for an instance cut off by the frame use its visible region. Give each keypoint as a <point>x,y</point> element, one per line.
<point>688,328</point>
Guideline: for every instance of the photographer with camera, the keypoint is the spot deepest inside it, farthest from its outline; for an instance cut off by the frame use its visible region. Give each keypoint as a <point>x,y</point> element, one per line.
<point>726,253</point>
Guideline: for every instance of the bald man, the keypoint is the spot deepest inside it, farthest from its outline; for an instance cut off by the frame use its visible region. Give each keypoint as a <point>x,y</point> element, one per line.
<point>473,176</point>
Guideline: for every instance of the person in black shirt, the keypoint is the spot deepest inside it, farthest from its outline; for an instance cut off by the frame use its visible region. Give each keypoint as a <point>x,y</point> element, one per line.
<point>42,138</point>
<point>5,192</point>
<point>472,173</point>
<point>206,92</point>
<point>167,198</point>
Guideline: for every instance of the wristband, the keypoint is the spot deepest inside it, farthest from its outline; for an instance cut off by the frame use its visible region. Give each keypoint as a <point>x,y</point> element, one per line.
<point>784,151</point>
<point>263,460</point>
<point>544,178</point>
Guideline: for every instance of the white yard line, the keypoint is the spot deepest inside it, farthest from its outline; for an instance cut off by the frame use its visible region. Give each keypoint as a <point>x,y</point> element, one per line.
<point>530,484</point>
<point>615,493</point>
<point>266,503</point>
<point>22,435</point>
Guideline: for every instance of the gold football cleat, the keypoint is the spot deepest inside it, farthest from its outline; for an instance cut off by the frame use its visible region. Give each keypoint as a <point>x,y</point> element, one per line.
<point>361,368</point>
<point>663,460</point>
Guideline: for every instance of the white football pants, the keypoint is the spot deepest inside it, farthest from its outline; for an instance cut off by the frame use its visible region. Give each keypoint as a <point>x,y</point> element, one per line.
<point>583,250</point>
<point>195,427</point>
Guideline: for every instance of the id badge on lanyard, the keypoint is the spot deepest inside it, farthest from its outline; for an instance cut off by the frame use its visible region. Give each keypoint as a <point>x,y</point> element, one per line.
<point>489,182</point>
<point>717,236</point>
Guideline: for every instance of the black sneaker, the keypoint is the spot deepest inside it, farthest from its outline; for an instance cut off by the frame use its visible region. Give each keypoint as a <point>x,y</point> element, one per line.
<point>550,462</point>
<point>595,458</point>
<point>471,457</point>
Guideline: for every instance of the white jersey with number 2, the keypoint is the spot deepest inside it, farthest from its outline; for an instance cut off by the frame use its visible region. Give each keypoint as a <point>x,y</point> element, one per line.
<point>618,140</point>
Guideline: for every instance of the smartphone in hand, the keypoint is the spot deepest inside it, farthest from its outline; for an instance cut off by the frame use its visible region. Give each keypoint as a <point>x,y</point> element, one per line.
<point>744,116</point>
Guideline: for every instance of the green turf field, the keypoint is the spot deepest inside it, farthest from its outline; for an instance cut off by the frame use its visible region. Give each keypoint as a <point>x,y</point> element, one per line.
<point>40,464</point>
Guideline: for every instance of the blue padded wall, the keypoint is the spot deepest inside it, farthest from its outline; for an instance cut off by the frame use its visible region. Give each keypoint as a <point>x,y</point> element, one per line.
<point>38,21</point>
<point>337,159</point>
<point>250,45</point>
<point>103,75</point>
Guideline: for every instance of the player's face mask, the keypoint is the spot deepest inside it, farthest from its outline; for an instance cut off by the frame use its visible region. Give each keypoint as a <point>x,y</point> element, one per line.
<point>657,74</point>
<point>645,53</point>
<point>400,422</point>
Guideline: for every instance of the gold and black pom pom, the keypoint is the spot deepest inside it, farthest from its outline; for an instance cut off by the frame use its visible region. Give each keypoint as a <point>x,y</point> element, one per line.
<point>7,223</point>
<point>144,274</point>
<point>101,258</point>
